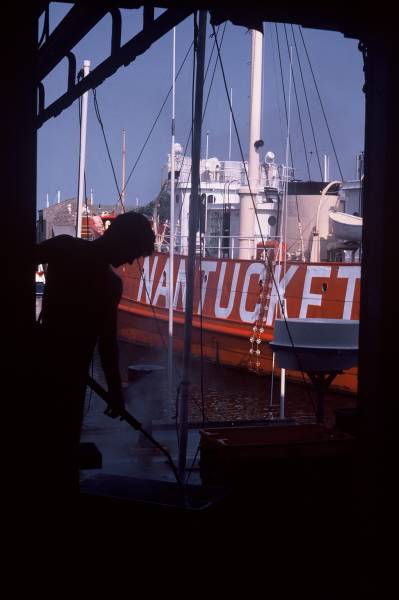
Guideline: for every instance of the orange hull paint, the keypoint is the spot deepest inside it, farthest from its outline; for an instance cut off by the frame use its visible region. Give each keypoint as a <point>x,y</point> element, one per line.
<point>231,304</point>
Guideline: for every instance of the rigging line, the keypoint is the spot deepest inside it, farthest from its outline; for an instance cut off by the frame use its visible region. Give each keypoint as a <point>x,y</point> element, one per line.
<point>284,219</point>
<point>241,150</point>
<point>299,110</point>
<point>201,306</point>
<point>156,320</point>
<point>286,116</point>
<point>239,143</point>
<point>120,192</point>
<point>191,467</point>
<point>141,271</point>
<point>201,232</point>
<point>262,97</point>
<point>283,87</point>
<point>267,258</point>
<point>191,129</point>
<point>215,34</point>
<point>275,82</point>
<point>140,267</point>
<point>148,136</point>
<point>98,115</point>
<point>196,31</point>
<point>206,103</point>
<point>157,117</point>
<point>192,100</point>
<point>214,69</point>
<point>321,104</point>
<point>193,69</point>
<point>307,103</point>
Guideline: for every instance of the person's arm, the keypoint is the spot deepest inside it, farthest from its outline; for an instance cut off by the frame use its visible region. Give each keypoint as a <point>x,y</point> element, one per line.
<point>109,355</point>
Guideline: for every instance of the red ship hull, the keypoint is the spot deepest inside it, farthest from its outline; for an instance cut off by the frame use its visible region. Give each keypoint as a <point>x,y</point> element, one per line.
<point>232,302</point>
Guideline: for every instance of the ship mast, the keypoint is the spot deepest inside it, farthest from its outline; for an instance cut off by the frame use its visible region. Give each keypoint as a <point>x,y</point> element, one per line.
<point>193,227</point>
<point>122,196</point>
<point>82,155</point>
<point>172,226</point>
<point>247,212</point>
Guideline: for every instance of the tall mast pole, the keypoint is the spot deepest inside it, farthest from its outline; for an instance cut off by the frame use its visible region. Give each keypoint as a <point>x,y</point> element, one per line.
<point>283,236</point>
<point>172,228</point>
<point>247,212</point>
<point>123,168</point>
<point>231,114</point>
<point>82,155</point>
<point>193,227</point>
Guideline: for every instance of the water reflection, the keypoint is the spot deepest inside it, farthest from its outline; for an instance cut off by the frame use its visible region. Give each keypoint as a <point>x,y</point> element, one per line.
<point>226,394</point>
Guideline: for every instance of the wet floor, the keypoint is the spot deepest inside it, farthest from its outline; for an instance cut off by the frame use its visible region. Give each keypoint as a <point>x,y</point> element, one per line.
<point>218,395</point>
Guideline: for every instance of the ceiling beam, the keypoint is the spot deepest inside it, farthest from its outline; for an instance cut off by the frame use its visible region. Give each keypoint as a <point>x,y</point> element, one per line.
<point>74,26</point>
<point>151,32</point>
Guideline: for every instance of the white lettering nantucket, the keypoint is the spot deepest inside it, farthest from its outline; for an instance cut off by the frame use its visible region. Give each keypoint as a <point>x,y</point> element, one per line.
<point>221,312</point>
<point>245,315</point>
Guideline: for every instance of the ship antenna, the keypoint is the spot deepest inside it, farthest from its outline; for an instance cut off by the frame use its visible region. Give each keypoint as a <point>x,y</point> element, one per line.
<point>172,227</point>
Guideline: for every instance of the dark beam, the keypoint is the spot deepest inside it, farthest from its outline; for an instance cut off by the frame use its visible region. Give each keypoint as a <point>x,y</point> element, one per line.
<point>125,55</point>
<point>148,16</point>
<point>378,306</point>
<point>75,25</point>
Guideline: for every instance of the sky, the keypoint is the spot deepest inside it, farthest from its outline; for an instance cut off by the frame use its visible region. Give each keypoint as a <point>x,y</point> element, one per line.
<point>133,96</point>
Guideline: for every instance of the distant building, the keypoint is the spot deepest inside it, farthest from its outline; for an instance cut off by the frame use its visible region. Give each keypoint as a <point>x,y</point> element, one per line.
<point>60,218</point>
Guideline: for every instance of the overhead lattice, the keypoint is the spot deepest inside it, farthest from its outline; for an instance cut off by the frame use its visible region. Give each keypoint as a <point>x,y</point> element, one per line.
<point>83,16</point>
<point>76,24</point>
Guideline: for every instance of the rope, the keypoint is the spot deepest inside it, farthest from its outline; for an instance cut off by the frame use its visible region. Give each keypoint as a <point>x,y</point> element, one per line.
<point>297,104</point>
<point>321,104</point>
<point>257,218</point>
<point>97,111</point>
<point>289,138</point>
<point>307,103</point>
<point>157,117</point>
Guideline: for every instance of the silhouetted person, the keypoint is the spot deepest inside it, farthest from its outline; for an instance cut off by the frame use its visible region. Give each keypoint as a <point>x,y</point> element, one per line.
<point>79,310</point>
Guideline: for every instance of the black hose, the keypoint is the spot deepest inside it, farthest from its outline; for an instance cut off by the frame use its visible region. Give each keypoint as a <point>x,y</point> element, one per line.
<point>126,416</point>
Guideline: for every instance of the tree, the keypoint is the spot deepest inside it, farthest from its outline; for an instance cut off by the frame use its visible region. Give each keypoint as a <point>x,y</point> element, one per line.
<point>160,205</point>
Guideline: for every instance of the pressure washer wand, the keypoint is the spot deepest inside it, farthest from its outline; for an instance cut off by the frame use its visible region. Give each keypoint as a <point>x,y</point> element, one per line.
<point>126,416</point>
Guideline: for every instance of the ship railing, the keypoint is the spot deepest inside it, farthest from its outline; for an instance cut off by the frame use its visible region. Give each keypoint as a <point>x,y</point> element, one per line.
<point>226,175</point>
<point>223,246</point>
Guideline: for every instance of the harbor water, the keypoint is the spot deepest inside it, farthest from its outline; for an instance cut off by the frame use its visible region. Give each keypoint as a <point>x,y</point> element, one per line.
<point>219,393</point>
<point>223,394</point>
